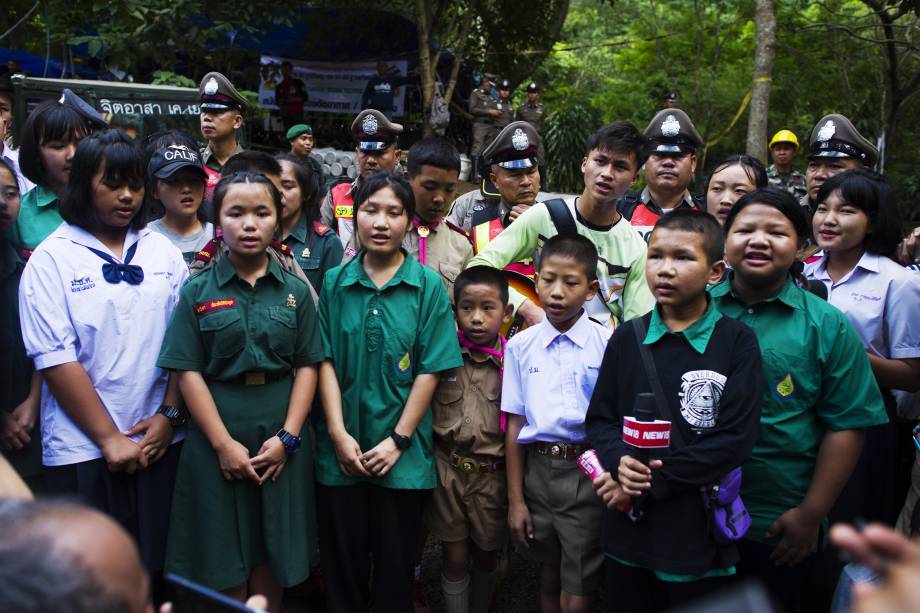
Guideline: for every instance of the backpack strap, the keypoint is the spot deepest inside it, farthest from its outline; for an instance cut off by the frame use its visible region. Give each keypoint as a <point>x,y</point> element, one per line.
<point>651,372</point>
<point>562,217</point>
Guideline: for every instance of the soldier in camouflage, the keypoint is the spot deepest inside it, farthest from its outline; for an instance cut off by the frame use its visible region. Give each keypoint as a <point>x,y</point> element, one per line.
<point>783,147</point>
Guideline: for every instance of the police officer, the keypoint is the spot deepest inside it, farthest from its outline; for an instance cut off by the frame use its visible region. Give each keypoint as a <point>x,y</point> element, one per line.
<point>669,100</point>
<point>783,147</point>
<point>513,185</point>
<point>300,137</point>
<point>835,146</point>
<point>376,149</point>
<point>504,107</point>
<point>534,113</point>
<point>222,109</point>
<point>484,109</point>
<point>669,166</point>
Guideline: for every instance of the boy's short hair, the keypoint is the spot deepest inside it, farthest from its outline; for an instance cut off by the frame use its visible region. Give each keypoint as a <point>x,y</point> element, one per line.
<point>573,246</point>
<point>482,275</point>
<point>251,161</point>
<point>433,151</point>
<point>621,136</point>
<point>698,222</point>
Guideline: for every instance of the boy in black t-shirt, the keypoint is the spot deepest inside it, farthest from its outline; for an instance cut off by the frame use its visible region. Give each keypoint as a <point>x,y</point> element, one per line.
<point>711,375</point>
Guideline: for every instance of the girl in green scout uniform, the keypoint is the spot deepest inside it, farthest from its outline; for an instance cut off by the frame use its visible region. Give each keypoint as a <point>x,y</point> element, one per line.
<point>819,397</point>
<point>314,246</point>
<point>387,334</point>
<point>47,147</point>
<point>245,343</point>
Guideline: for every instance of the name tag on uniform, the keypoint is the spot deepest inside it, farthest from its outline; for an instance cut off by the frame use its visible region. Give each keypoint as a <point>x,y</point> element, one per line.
<point>343,211</point>
<point>209,306</point>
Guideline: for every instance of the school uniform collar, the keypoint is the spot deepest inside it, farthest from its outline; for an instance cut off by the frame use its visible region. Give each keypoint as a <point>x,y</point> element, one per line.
<point>697,334</point>
<point>489,357</point>
<point>578,333</point>
<point>299,231</point>
<point>790,294</point>
<point>43,196</point>
<point>646,199</point>
<point>225,270</point>
<point>78,235</point>
<point>410,273</point>
<point>868,262</point>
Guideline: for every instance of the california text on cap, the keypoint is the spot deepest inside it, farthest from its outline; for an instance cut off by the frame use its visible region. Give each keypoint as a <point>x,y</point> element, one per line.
<point>835,136</point>
<point>373,131</point>
<point>671,131</point>
<point>165,162</point>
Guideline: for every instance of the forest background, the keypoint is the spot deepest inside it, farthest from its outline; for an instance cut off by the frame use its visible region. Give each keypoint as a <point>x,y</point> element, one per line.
<point>596,60</point>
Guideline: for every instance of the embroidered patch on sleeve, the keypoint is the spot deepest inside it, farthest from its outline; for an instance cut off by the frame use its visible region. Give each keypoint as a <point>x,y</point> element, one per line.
<point>209,306</point>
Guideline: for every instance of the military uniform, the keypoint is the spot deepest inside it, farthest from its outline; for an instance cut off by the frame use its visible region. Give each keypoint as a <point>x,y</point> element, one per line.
<point>480,104</point>
<point>373,132</point>
<point>793,182</point>
<point>671,132</point>
<point>217,94</point>
<point>445,248</point>
<point>835,136</point>
<point>316,248</point>
<point>506,109</point>
<point>534,113</point>
<point>245,340</point>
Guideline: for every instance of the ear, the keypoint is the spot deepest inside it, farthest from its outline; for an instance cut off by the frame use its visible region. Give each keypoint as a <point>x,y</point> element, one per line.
<point>237,121</point>
<point>493,177</point>
<point>592,290</point>
<point>584,164</point>
<point>692,163</point>
<point>716,272</point>
<point>508,314</point>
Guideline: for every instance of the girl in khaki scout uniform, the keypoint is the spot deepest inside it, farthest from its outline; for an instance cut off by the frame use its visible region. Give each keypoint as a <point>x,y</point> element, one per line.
<point>245,343</point>
<point>387,334</point>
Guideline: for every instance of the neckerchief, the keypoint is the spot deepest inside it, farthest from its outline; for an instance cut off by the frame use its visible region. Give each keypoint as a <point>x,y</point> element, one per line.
<point>115,272</point>
<point>424,228</point>
<point>499,353</point>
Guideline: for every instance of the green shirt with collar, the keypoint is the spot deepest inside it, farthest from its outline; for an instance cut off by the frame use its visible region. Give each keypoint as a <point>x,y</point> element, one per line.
<point>38,218</point>
<point>380,340</point>
<point>818,380</point>
<point>316,248</point>
<point>224,327</point>
<point>696,334</point>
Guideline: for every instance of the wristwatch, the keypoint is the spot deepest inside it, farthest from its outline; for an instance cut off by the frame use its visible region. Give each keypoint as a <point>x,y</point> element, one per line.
<point>176,416</point>
<point>402,442</point>
<point>291,443</point>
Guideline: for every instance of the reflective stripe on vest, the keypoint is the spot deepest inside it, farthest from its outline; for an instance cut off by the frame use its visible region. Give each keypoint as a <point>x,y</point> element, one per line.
<point>342,203</point>
<point>485,232</point>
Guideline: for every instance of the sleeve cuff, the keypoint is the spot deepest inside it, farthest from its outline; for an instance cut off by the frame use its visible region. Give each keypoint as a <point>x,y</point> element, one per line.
<point>171,363</point>
<point>905,353</point>
<point>55,358</point>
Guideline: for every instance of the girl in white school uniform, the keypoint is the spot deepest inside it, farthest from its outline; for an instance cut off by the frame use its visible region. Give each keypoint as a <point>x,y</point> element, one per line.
<point>856,224</point>
<point>95,300</point>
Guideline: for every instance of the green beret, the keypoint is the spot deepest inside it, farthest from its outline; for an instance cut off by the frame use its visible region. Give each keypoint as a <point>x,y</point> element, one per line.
<point>297,130</point>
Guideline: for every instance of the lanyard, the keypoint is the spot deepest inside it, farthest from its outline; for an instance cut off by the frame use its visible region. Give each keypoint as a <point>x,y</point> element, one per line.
<point>115,272</point>
<point>424,229</point>
<point>499,353</point>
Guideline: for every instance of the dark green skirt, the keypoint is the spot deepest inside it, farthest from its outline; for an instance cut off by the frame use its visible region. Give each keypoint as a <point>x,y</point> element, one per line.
<point>219,529</point>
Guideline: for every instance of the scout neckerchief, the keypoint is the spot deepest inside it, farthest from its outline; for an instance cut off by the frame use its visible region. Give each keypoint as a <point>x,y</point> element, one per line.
<point>499,353</point>
<point>115,272</point>
<point>424,229</point>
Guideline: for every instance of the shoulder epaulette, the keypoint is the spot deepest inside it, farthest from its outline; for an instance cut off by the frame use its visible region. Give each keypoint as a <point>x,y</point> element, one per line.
<point>458,230</point>
<point>207,252</point>
<point>322,230</point>
<point>278,245</point>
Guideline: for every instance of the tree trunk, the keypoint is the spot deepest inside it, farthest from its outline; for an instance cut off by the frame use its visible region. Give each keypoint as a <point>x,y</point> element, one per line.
<point>763,77</point>
<point>425,69</point>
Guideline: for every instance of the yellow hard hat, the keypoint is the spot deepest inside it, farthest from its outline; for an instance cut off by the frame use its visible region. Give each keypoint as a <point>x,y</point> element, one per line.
<point>784,136</point>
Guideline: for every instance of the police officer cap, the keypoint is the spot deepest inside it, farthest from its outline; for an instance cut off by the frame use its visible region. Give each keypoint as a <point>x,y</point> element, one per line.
<point>515,146</point>
<point>670,97</point>
<point>165,162</point>
<point>373,131</point>
<point>297,130</point>
<point>532,88</point>
<point>835,136</point>
<point>671,131</point>
<point>83,109</point>
<point>488,76</point>
<point>505,84</point>
<point>218,94</point>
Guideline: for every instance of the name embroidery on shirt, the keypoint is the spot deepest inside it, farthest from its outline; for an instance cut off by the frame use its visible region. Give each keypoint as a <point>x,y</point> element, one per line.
<point>700,394</point>
<point>210,306</point>
<point>81,284</point>
<point>861,297</point>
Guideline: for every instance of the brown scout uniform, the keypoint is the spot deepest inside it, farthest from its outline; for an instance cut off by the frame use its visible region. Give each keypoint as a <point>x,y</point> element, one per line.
<point>471,499</point>
<point>447,250</point>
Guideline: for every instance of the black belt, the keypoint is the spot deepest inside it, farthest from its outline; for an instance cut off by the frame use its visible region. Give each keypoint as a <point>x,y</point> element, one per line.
<point>259,377</point>
<point>560,449</point>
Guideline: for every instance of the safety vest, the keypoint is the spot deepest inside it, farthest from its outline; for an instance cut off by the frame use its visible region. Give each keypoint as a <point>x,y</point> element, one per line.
<point>488,230</point>
<point>343,211</point>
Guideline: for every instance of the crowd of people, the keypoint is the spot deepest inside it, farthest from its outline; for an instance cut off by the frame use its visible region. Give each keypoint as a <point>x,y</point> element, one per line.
<point>260,380</point>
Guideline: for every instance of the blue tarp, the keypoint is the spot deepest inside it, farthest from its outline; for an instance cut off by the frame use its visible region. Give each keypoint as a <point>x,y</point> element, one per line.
<point>34,66</point>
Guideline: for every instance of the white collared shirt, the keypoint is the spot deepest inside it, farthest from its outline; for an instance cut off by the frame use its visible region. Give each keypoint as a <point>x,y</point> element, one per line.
<point>70,313</point>
<point>11,156</point>
<point>880,298</point>
<point>549,377</point>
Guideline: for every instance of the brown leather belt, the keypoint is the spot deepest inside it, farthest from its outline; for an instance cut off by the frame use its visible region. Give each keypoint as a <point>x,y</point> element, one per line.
<point>468,465</point>
<point>561,450</point>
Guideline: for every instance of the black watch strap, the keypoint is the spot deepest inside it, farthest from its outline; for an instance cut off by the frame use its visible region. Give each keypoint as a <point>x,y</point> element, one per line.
<point>402,442</point>
<point>176,416</point>
<point>291,443</point>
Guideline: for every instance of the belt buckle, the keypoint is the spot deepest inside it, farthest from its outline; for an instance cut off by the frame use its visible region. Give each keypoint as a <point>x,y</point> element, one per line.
<point>468,466</point>
<point>254,378</point>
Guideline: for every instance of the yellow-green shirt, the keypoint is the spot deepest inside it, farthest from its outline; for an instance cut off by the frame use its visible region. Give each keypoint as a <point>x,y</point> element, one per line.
<point>379,341</point>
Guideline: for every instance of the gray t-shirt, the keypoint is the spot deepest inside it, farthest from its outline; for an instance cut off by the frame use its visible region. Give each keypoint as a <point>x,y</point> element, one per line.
<point>188,245</point>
